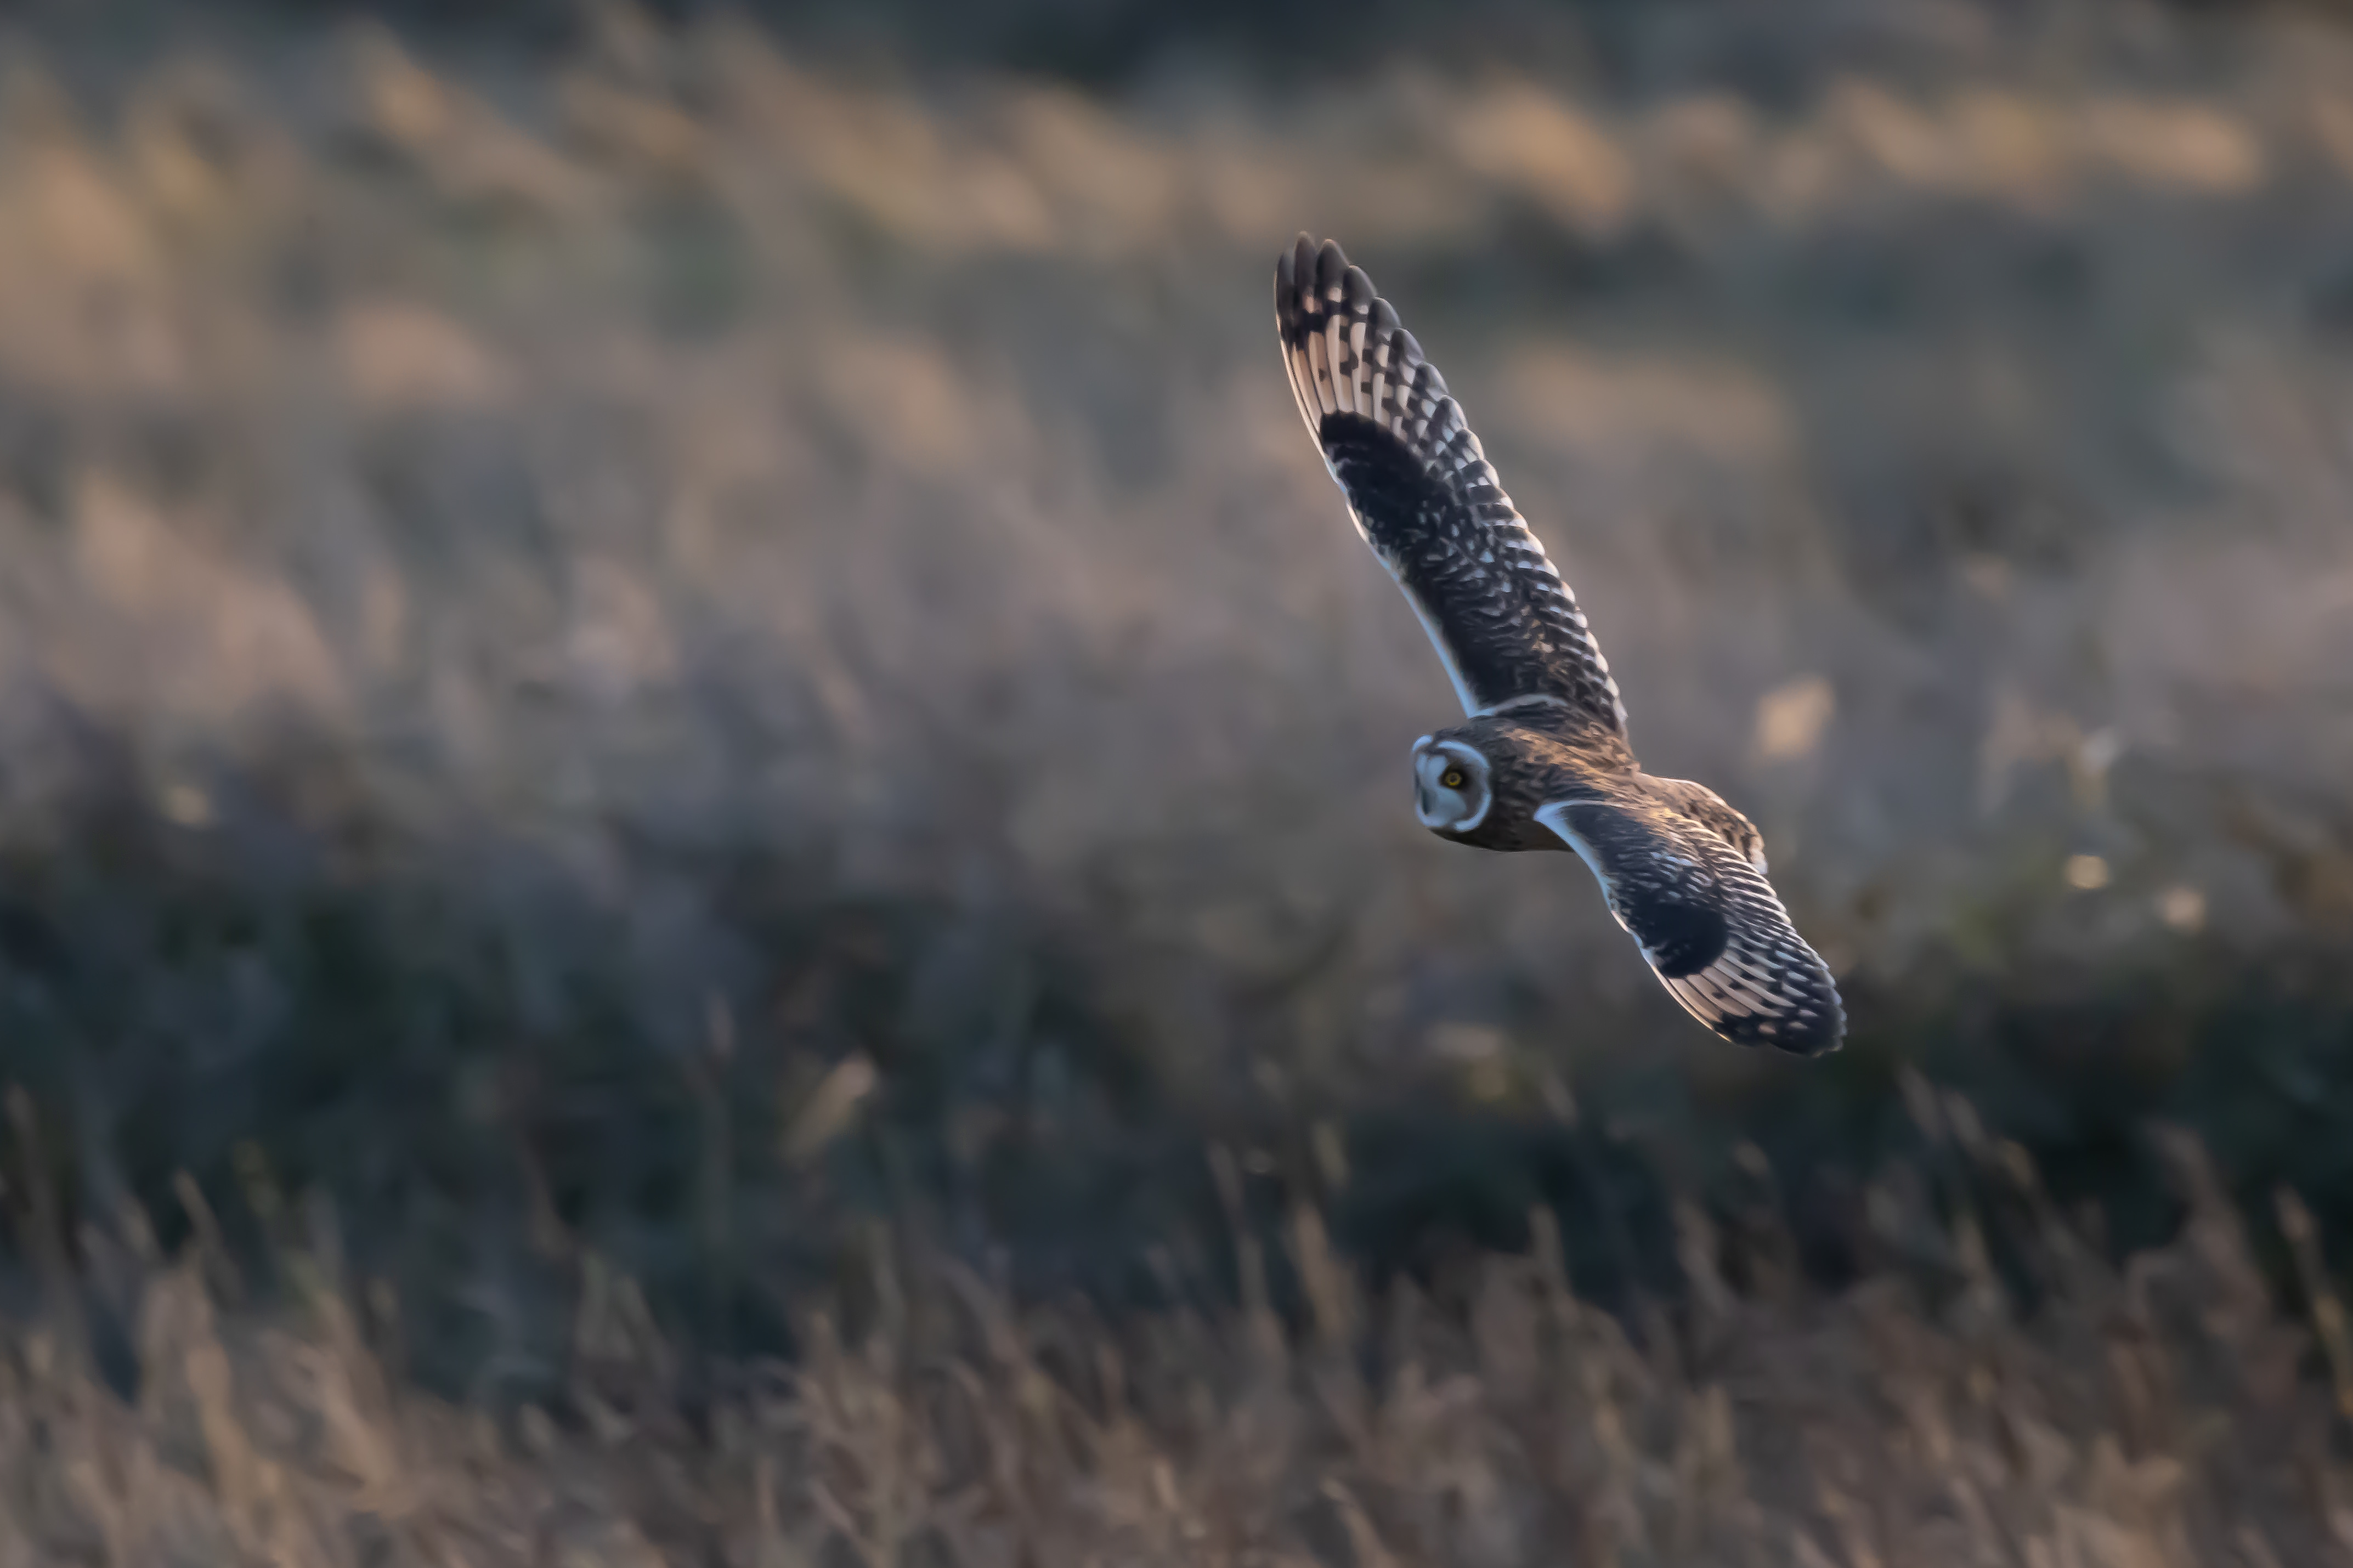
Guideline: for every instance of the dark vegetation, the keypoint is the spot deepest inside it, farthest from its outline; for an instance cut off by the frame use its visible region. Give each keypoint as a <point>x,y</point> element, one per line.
<point>685,734</point>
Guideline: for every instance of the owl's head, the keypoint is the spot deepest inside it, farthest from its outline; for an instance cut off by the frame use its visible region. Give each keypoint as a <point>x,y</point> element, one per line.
<point>1453,786</point>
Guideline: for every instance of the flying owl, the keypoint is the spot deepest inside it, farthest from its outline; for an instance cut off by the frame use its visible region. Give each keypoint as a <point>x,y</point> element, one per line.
<point>1543,761</point>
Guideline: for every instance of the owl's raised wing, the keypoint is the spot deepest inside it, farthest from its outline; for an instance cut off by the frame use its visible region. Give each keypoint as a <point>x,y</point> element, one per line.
<point>1426,499</point>
<point>1707,921</point>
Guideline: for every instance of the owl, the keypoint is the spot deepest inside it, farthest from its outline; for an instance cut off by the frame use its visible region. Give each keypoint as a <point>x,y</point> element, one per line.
<point>1542,759</point>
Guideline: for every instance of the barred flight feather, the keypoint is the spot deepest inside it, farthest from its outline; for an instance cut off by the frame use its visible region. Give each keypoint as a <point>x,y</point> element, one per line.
<point>1425,498</point>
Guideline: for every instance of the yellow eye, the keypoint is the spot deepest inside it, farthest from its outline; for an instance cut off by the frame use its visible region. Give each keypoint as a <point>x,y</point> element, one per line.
<point>1452,778</point>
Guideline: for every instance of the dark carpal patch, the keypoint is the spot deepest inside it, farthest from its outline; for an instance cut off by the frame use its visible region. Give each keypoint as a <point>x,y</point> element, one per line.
<point>1383,481</point>
<point>1684,939</point>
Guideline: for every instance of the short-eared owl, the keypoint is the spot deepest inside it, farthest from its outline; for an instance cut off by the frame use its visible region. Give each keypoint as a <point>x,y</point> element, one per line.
<point>1543,761</point>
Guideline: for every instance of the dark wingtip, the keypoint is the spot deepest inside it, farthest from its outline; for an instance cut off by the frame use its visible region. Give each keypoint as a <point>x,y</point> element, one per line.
<point>1825,1037</point>
<point>1815,1036</point>
<point>1310,279</point>
<point>1331,268</point>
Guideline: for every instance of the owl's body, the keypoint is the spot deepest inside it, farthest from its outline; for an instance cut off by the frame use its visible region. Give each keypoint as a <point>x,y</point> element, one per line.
<point>1542,761</point>
<point>1529,763</point>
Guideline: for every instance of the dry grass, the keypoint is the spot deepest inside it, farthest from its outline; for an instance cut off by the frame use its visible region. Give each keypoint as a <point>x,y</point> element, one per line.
<point>615,664</point>
<point>690,435</point>
<point>2152,1415</point>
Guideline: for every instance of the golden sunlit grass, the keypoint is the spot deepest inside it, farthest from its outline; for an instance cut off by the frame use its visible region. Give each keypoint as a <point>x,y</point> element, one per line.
<point>481,436</point>
<point>629,661</point>
<point>2159,1414</point>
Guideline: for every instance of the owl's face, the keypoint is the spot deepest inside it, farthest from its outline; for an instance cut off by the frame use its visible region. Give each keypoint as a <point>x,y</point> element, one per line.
<point>1453,787</point>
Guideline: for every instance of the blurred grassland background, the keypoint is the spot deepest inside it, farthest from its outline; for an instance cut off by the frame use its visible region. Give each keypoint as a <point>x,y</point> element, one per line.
<point>644,659</point>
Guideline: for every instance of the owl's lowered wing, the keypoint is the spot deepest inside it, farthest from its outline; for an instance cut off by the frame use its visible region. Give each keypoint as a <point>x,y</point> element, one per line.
<point>1428,501</point>
<point>1707,921</point>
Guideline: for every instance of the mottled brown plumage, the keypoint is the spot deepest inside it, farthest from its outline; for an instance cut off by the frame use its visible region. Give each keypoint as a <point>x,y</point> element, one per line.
<point>1544,760</point>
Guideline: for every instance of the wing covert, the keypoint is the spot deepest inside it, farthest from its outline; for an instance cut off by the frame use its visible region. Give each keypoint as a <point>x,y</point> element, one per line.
<point>1426,499</point>
<point>1708,922</point>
